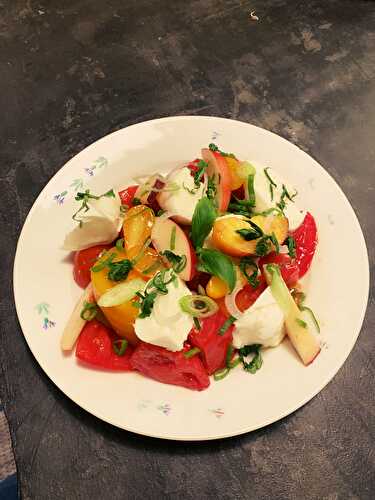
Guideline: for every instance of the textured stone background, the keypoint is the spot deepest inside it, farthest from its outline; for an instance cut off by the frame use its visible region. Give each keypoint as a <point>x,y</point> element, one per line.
<point>73,70</point>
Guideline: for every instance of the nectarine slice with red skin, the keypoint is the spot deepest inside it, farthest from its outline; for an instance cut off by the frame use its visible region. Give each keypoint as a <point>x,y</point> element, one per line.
<point>219,170</point>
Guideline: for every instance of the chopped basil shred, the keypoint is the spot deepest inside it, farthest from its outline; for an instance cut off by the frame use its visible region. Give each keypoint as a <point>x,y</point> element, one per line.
<point>84,197</point>
<point>271,181</point>
<point>119,346</point>
<point>178,261</point>
<point>256,362</point>
<point>136,201</point>
<point>252,233</point>
<point>263,246</point>
<point>285,194</point>
<point>246,264</point>
<point>192,352</point>
<point>226,325</point>
<point>214,149</point>
<point>211,188</point>
<point>291,244</point>
<point>156,286</point>
<point>89,311</point>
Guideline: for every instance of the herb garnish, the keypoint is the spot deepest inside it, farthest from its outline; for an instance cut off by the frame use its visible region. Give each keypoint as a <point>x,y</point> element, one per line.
<point>250,190</point>
<point>89,311</point>
<point>247,263</point>
<point>192,352</point>
<point>263,245</point>
<point>211,188</point>
<point>285,194</point>
<point>302,323</point>
<point>157,285</point>
<point>252,233</point>
<point>218,264</point>
<point>201,168</point>
<point>203,219</point>
<point>197,323</point>
<point>226,325</point>
<point>136,201</point>
<point>240,207</point>
<point>178,261</point>
<point>291,243</point>
<point>256,363</point>
<point>271,181</point>
<point>84,198</point>
<point>172,242</point>
<point>215,149</point>
<point>119,346</point>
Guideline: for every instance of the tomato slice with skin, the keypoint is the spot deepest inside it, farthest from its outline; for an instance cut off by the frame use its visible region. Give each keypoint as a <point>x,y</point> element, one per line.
<point>127,195</point>
<point>83,261</point>
<point>170,367</point>
<point>248,295</point>
<point>288,267</point>
<point>306,238</point>
<point>95,347</point>
<point>213,346</point>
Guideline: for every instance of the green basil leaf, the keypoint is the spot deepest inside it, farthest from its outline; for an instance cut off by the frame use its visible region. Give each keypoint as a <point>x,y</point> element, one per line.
<point>203,220</point>
<point>218,264</point>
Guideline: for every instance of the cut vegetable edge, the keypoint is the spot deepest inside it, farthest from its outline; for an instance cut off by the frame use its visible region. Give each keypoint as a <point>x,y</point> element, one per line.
<point>75,323</point>
<point>123,292</point>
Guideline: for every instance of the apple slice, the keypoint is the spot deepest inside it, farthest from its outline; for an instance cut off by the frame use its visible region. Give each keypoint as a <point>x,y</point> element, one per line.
<point>303,340</point>
<point>167,235</point>
<point>219,170</point>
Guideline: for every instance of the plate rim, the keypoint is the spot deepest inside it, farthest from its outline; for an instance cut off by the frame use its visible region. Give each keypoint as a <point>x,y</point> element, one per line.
<point>331,374</point>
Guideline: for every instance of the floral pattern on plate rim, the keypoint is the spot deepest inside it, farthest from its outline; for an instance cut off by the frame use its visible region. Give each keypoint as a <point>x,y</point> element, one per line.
<point>43,311</point>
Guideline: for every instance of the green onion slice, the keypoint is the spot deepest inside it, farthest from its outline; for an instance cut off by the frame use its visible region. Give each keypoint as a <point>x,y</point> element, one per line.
<point>119,346</point>
<point>198,306</point>
<point>192,352</point>
<point>89,311</point>
<point>220,374</point>
<point>123,292</point>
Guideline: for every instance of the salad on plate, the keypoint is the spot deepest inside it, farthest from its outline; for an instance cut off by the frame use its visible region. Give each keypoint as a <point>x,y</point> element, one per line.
<point>193,273</point>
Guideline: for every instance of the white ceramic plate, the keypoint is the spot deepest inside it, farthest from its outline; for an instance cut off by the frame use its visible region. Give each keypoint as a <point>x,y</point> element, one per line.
<point>45,291</point>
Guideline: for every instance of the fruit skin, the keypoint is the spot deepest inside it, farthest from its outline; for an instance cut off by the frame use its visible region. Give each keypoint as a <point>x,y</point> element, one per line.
<point>306,238</point>
<point>226,239</point>
<point>302,339</point>
<point>288,267</point>
<point>94,347</point>
<point>248,295</point>
<point>213,346</point>
<point>170,367</point>
<point>217,167</point>
<point>127,195</point>
<point>137,225</point>
<point>161,238</point>
<point>83,261</point>
<point>120,317</point>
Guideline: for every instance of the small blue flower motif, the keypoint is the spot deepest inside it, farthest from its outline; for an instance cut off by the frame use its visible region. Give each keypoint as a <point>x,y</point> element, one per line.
<point>77,184</point>
<point>90,171</point>
<point>218,412</point>
<point>165,408</point>
<point>59,198</point>
<point>215,135</point>
<point>47,323</point>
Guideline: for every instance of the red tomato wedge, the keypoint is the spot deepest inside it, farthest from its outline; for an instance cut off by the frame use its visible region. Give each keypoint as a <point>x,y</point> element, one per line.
<point>213,346</point>
<point>83,261</point>
<point>288,266</point>
<point>306,238</point>
<point>94,347</point>
<point>127,195</point>
<point>218,167</point>
<point>248,295</point>
<point>170,367</point>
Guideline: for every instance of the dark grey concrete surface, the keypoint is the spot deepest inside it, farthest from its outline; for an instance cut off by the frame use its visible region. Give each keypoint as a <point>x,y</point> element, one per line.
<point>74,70</point>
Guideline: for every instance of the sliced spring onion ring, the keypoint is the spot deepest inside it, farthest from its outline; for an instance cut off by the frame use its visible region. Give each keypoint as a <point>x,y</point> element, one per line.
<point>198,306</point>
<point>226,325</point>
<point>123,292</point>
<point>119,346</point>
<point>89,311</point>
<point>220,374</point>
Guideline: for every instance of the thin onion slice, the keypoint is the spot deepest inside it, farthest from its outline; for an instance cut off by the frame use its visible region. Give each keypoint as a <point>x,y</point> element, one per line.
<point>230,301</point>
<point>123,292</point>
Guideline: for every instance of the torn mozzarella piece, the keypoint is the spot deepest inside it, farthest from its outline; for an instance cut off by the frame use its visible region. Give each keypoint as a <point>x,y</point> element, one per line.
<point>100,224</point>
<point>264,200</point>
<point>182,202</point>
<point>167,326</point>
<point>262,323</point>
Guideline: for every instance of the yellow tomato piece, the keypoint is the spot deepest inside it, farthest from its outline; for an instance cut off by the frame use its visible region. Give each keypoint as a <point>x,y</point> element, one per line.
<point>121,317</point>
<point>236,179</point>
<point>216,288</point>
<point>137,225</point>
